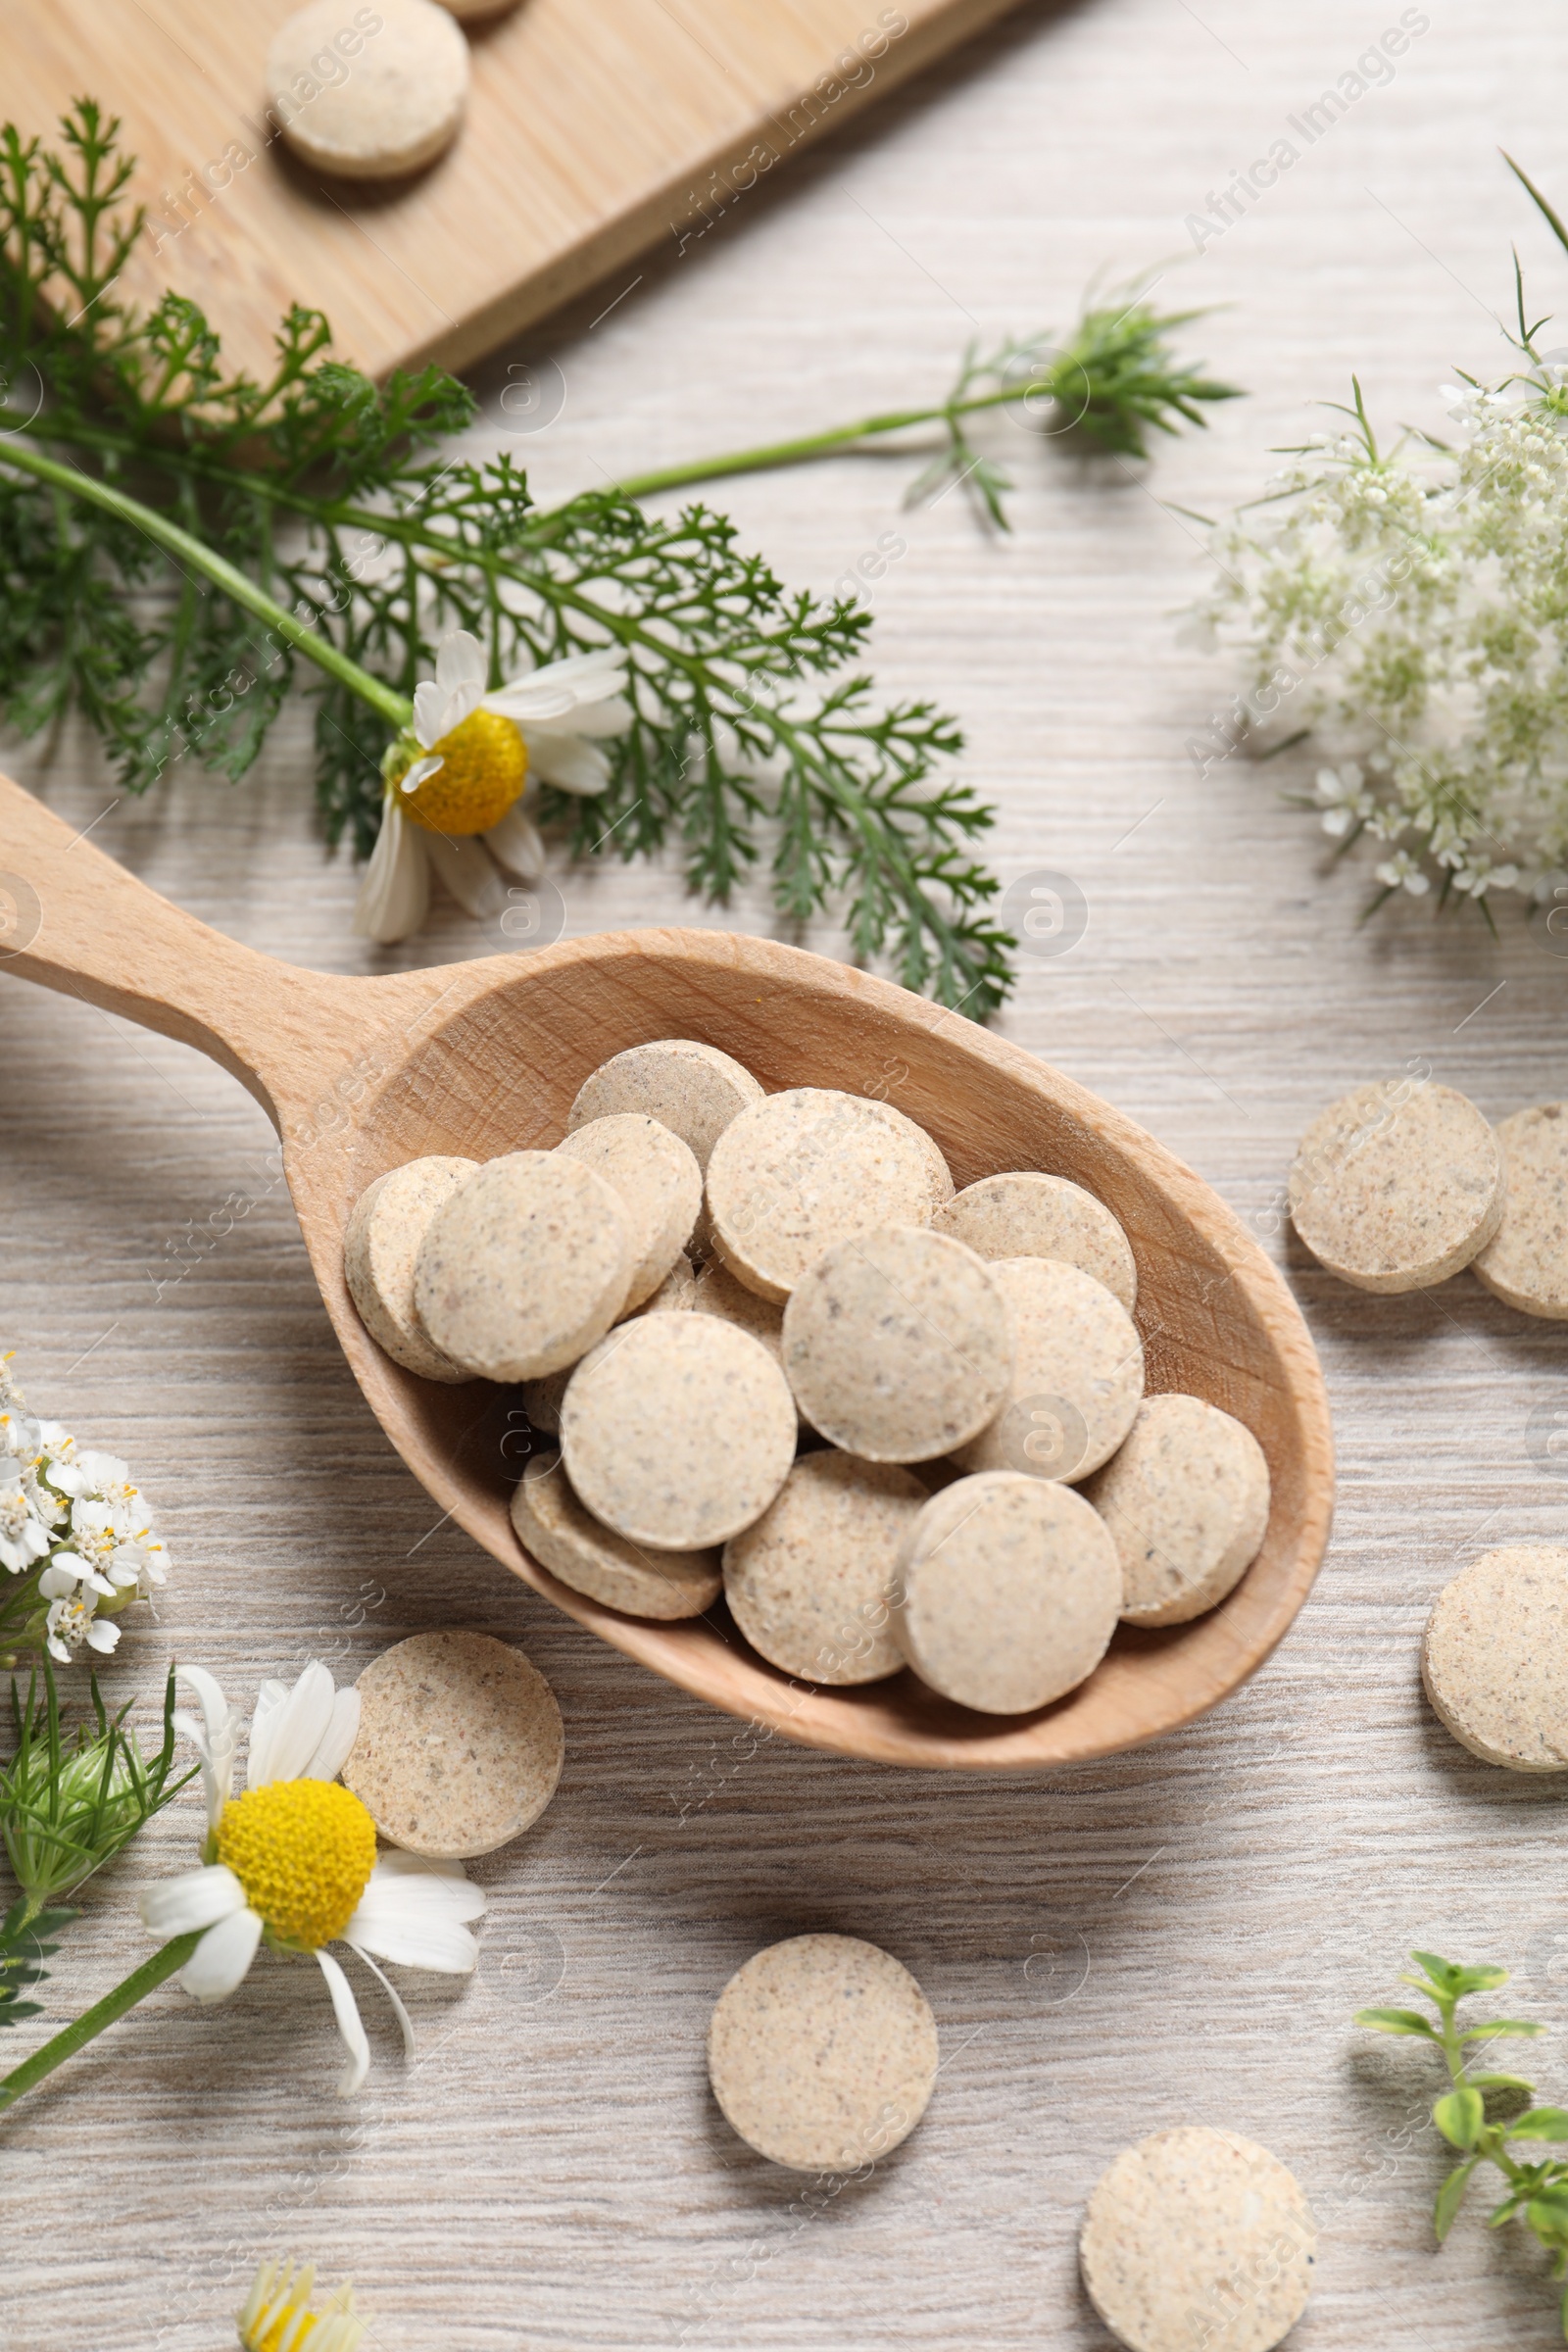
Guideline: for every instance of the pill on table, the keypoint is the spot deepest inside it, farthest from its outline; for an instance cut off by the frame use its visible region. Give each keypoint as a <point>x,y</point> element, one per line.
<point>1007,1593</point>
<point>1494,1657</point>
<point>1197,2230</point>
<point>380,1244</point>
<point>822,2052</point>
<point>1077,1375</point>
<point>694,1090</point>
<point>897,1345</point>
<point>811,1582</point>
<point>1023,1214</point>
<point>1186,1499</point>
<point>388,107</point>
<point>659,1185</point>
<point>1396,1185</point>
<point>460,1743</point>
<point>1526,1260</point>
<point>526,1267</point>
<point>571,1542</point>
<point>677,1431</point>
<point>802,1170</point>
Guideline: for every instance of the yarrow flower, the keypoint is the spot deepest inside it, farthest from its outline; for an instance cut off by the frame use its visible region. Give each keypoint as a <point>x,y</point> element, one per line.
<point>278,2316</point>
<point>293,1861</point>
<point>77,1542</point>
<point>1410,609</point>
<point>458,776</point>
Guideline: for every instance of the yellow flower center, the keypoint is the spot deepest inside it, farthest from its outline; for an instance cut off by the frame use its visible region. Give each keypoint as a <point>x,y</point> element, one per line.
<point>302,1850</point>
<point>485,766</point>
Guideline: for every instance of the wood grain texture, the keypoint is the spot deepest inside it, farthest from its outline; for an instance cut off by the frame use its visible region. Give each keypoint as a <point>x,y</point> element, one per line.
<point>484,1057</point>
<point>596,130</point>
<point>1178,1935</point>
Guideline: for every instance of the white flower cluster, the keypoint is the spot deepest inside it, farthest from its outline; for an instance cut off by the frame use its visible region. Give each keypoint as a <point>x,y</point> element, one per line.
<point>75,1528</point>
<point>1411,610</point>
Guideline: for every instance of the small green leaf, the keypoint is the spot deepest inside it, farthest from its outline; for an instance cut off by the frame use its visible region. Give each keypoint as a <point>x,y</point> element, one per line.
<point>1482,1978</point>
<point>1502,2024</point>
<point>1450,2196</point>
<point>1441,1972</point>
<point>1460,2116</point>
<point>1549,2219</point>
<point>1396,2021</point>
<point>1500,2083</point>
<point>1504,2212</point>
<point>1539,2122</point>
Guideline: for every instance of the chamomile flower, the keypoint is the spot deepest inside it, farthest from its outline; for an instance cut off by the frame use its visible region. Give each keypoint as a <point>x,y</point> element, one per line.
<point>293,1861</point>
<point>457,777</point>
<point>278,2316</point>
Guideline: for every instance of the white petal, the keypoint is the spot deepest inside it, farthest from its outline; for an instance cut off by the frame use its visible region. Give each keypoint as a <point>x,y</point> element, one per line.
<point>515,844</point>
<point>197,1899</point>
<point>395,895</point>
<point>103,1635</point>
<point>345,2010</point>
<point>558,687</point>
<point>611,717</point>
<point>394,1996</point>
<point>221,1960</point>
<point>422,771</point>
<point>439,1944</point>
<point>468,873</point>
<point>429,712</point>
<point>336,1741</point>
<point>458,661</point>
<point>58,1582</point>
<point>567,761</point>
<point>208,1696</point>
<point>292,1733</point>
<point>407,1885</point>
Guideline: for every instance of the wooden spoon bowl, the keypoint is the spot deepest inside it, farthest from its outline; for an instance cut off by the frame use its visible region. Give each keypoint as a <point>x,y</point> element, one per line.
<point>362,1074</point>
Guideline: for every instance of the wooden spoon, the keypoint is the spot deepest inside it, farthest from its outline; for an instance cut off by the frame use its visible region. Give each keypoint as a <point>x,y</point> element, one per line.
<point>362,1074</point>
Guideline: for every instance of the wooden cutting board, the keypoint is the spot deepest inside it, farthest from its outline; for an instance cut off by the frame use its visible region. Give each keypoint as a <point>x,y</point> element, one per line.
<point>599,133</point>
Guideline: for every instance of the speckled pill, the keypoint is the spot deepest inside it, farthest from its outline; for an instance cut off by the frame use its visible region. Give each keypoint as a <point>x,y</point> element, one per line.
<point>541,1398</point>
<point>526,1267</point>
<point>715,1292</point>
<point>822,2053</point>
<point>1027,1214</point>
<point>691,1088</point>
<point>658,1183</point>
<point>1196,2236</point>
<point>897,1345</point>
<point>811,1582</point>
<point>1007,1593</point>
<point>569,1542</point>
<point>1186,1499</point>
<point>1494,1657</point>
<point>1396,1185</point>
<point>460,1743</point>
<point>677,1431</point>
<point>801,1171</point>
<point>380,1244</point>
<point>1077,1376</point>
<point>1526,1260</point>
<point>368,100</point>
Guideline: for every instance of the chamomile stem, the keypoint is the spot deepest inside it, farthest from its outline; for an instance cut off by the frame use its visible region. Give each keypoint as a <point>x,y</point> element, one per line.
<point>136,1986</point>
<point>773,454</point>
<point>186,547</point>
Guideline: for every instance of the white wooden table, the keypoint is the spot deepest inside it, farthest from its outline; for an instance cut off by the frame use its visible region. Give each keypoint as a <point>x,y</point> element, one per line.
<point>1176,1935</point>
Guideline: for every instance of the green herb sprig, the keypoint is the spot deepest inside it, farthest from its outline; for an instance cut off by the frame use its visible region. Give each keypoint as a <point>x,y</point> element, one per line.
<point>68,1804</point>
<point>1113,380</point>
<point>1537,2188</point>
<point>176,539</point>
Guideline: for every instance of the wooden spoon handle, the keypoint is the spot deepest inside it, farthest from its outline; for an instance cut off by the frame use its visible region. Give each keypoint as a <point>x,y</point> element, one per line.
<point>74,920</point>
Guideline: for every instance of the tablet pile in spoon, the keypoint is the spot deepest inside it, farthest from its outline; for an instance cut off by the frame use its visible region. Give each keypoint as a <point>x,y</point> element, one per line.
<point>864,1413</point>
